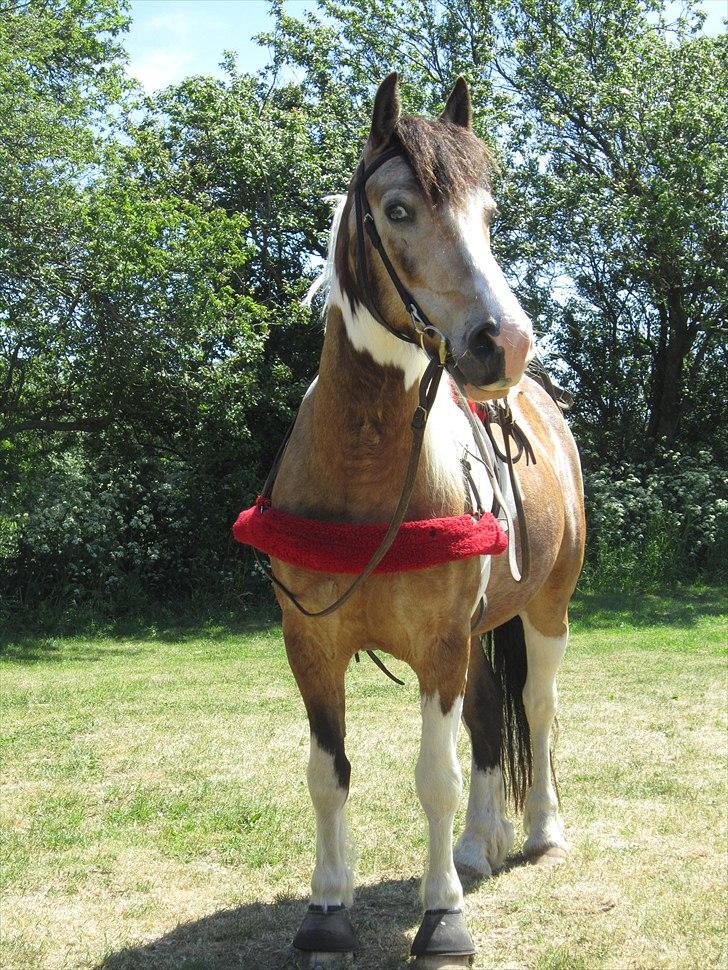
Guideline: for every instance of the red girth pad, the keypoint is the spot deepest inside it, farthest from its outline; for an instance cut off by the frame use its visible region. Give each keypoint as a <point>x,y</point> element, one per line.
<point>343,547</point>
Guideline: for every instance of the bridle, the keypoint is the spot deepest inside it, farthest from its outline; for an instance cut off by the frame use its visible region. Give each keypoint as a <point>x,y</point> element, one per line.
<point>423,329</point>
<point>421,323</point>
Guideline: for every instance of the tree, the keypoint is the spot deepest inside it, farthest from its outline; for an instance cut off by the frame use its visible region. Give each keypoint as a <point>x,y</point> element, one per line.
<point>62,73</point>
<point>630,119</point>
<point>131,357</point>
<point>611,125</point>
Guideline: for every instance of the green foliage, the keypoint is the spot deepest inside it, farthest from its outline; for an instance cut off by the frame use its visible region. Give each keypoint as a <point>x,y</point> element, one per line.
<point>153,252</point>
<point>656,523</point>
<point>629,119</point>
<point>141,396</point>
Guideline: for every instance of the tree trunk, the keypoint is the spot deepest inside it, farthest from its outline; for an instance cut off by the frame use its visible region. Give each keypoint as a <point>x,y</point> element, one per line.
<point>665,404</point>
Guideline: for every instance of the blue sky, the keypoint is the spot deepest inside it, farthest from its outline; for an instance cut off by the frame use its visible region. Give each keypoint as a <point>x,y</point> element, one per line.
<point>172,39</point>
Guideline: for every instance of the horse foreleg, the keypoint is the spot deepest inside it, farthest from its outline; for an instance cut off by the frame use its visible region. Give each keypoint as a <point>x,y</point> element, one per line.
<point>328,783</point>
<point>488,835</point>
<point>439,785</point>
<point>326,928</point>
<point>542,821</point>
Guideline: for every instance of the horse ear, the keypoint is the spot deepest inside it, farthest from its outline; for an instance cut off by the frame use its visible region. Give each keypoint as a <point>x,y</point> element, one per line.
<point>386,112</point>
<point>458,109</point>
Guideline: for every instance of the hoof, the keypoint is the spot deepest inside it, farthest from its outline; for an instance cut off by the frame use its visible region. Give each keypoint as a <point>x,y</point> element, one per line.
<point>470,857</point>
<point>443,936</point>
<point>325,938</point>
<point>550,855</point>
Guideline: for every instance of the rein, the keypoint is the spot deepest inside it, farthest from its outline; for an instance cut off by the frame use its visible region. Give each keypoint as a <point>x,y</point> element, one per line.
<point>429,384</point>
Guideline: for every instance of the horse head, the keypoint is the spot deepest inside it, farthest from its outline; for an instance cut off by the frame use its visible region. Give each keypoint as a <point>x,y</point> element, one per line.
<point>425,186</point>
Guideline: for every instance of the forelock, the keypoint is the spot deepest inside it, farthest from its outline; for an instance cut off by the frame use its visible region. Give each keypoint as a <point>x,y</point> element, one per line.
<point>448,161</point>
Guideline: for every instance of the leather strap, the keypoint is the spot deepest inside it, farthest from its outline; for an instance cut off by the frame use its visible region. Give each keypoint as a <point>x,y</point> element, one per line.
<point>428,392</point>
<point>477,428</point>
<point>422,325</point>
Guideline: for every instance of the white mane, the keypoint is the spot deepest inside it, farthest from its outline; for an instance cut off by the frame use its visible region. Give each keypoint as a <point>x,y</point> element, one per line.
<point>325,279</point>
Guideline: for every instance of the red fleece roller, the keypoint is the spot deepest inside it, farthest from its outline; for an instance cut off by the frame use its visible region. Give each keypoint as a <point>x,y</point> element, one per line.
<point>343,547</point>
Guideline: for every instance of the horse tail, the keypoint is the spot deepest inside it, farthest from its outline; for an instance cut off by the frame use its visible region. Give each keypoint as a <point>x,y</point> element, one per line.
<point>505,648</point>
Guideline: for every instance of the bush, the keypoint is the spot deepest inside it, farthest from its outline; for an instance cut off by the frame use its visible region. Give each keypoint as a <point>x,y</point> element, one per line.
<point>121,537</point>
<point>654,523</point>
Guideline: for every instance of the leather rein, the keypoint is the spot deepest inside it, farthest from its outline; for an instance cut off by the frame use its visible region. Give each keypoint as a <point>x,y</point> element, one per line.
<point>439,356</point>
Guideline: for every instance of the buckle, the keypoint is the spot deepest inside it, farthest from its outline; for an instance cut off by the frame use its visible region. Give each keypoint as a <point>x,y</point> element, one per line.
<point>427,330</point>
<point>419,418</point>
<point>417,322</point>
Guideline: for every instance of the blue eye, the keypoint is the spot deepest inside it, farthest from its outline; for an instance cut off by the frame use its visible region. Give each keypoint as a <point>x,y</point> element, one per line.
<point>397,212</point>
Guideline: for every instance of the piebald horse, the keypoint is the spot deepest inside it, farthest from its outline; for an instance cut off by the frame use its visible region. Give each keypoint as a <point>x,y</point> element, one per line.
<point>345,462</point>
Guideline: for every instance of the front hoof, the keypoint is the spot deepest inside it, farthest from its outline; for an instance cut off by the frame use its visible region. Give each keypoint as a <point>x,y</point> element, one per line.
<point>442,940</point>
<point>325,939</point>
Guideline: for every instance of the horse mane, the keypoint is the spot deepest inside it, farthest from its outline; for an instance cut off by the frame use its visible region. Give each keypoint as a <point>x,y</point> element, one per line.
<point>328,274</point>
<point>448,161</point>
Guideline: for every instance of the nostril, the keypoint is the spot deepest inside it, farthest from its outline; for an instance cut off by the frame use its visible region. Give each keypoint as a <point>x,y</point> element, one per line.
<point>480,341</point>
<point>484,360</point>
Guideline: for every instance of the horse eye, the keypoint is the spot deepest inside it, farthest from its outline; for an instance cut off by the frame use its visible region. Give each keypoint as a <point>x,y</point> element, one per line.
<point>397,212</point>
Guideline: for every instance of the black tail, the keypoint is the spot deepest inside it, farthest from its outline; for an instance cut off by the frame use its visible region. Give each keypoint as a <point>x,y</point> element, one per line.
<point>505,648</point>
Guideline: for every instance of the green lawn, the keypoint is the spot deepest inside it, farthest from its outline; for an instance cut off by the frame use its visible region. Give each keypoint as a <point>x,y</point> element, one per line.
<point>156,814</point>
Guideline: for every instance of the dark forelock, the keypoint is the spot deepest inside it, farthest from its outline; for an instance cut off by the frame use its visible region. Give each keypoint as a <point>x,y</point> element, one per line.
<point>448,161</point>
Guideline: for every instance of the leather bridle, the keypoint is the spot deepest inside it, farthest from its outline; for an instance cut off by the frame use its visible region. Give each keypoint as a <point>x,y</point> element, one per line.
<point>423,327</point>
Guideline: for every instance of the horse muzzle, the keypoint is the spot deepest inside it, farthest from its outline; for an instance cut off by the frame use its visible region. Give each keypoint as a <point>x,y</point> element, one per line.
<point>494,359</point>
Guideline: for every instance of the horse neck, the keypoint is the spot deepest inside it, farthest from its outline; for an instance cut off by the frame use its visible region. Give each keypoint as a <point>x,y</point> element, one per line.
<point>362,413</point>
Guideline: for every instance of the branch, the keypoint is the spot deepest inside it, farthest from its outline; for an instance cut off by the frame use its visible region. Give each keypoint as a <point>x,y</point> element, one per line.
<point>72,424</point>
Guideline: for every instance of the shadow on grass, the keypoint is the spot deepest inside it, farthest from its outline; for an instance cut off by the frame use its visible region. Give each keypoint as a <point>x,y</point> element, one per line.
<point>28,638</point>
<point>258,936</point>
<point>32,649</point>
<point>23,641</point>
<point>681,607</point>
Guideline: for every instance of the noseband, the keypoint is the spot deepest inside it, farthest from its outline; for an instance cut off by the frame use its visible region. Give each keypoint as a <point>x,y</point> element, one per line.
<point>423,327</point>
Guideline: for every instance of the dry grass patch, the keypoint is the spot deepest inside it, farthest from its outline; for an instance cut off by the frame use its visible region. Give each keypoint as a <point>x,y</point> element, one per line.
<point>156,813</point>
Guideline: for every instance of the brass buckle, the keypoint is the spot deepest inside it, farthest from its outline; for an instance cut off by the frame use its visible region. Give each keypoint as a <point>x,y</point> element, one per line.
<point>423,331</point>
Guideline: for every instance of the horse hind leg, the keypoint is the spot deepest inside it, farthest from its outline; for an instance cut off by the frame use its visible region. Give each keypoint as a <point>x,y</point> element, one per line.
<point>542,821</point>
<point>487,837</point>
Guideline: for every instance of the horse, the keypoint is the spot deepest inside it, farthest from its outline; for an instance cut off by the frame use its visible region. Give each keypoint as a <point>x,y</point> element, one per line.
<point>410,242</point>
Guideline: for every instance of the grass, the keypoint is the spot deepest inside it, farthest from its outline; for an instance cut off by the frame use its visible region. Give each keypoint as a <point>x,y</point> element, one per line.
<point>156,814</point>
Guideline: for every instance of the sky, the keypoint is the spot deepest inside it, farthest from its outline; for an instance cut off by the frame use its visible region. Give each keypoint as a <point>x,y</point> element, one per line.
<point>171,39</point>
